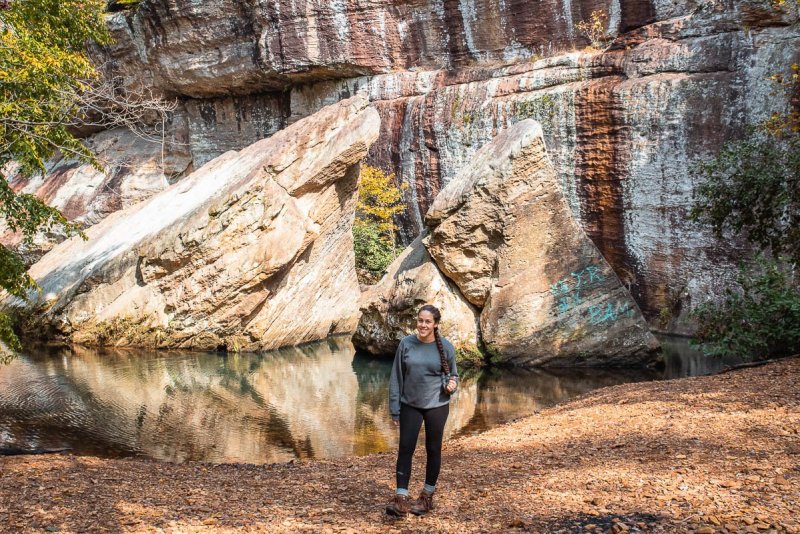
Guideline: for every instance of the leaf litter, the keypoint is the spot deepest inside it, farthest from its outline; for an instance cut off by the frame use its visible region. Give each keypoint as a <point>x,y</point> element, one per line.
<point>704,455</point>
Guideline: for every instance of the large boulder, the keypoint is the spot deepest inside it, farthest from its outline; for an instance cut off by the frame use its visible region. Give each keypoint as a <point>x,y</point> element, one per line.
<point>252,251</point>
<point>389,308</point>
<point>503,232</point>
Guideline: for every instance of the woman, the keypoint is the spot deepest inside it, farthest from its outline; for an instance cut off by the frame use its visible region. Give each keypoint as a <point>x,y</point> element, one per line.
<point>424,375</point>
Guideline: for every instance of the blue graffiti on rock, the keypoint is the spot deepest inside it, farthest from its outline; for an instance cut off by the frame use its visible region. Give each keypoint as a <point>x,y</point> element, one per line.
<point>609,312</point>
<point>568,291</point>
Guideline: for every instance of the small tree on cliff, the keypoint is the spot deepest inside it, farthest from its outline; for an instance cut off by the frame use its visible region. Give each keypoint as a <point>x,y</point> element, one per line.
<point>595,29</point>
<point>49,88</point>
<point>374,230</point>
<point>753,187</point>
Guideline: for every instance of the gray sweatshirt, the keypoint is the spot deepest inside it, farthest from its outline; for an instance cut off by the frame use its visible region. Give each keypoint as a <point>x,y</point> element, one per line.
<point>417,378</point>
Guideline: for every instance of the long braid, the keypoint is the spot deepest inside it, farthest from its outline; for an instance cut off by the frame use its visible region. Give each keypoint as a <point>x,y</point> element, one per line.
<point>445,365</point>
<point>437,316</point>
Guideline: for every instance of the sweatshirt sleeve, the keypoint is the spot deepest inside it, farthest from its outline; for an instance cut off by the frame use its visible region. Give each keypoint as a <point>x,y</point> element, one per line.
<point>396,383</point>
<point>451,360</point>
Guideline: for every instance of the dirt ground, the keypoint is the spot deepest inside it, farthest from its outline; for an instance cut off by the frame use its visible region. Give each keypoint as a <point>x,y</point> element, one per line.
<point>707,454</point>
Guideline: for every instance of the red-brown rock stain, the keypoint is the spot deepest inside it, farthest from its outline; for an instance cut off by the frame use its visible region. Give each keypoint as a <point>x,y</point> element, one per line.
<point>601,157</point>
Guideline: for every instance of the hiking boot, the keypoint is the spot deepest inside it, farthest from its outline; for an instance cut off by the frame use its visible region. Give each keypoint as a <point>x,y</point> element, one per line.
<point>423,505</point>
<point>399,506</point>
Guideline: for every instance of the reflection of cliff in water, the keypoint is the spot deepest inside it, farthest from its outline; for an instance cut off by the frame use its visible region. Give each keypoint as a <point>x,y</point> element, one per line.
<point>314,401</point>
<point>373,430</point>
<point>499,396</point>
<point>294,403</point>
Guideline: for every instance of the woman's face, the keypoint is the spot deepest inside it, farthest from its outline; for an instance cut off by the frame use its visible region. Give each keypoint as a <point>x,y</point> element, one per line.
<point>425,324</point>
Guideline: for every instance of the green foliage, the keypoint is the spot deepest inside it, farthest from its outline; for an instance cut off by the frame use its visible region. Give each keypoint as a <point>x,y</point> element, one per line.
<point>43,71</point>
<point>753,186</point>
<point>379,200</point>
<point>760,321</point>
<point>13,274</point>
<point>8,337</point>
<point>469,356</point>
<point>373,251</point>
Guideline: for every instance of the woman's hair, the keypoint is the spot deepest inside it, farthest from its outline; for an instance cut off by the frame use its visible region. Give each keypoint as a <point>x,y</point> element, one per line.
<point>437,316</point>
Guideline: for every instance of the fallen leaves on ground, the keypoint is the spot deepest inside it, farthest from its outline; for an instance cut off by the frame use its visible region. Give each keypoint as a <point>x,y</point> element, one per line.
<point>707,454</point>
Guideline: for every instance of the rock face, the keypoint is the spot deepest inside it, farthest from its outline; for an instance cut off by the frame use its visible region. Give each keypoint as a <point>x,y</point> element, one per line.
<point>624,126</point>
<point>233,255</point>
<point>503,232</point>
<point>227,47</point>
<point>389,308</point>
<point>134,169</point>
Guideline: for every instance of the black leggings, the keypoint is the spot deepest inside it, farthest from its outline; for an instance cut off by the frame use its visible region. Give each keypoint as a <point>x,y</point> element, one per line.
<point>410,422</point>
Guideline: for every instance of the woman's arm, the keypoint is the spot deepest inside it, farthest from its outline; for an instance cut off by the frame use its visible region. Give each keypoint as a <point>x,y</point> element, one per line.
<point>450,352</point>
<point>396,383</point>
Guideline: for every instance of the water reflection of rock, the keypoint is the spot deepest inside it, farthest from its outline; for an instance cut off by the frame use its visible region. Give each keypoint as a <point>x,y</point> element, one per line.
<point>315,401</point>
<point>174,407</point>
<point>683,359</point>
<point>516,393</point>
<point>286,404</point>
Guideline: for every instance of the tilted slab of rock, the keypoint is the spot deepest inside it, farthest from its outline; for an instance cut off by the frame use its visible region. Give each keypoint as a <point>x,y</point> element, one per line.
<point>134,168</point>
<point>252,251</point>
<point>389,308</point>
<point>503,232</point>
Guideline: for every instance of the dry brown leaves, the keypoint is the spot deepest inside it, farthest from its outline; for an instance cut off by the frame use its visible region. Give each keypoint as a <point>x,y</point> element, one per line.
<point>710,454</point>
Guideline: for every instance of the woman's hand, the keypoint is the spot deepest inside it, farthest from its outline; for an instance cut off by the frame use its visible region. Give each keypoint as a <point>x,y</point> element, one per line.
<point>396,422</point>
<point>452,384</point>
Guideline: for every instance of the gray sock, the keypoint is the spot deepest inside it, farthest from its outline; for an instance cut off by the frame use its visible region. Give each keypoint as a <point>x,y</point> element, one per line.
<point>402,491</point>
<point>428,488</point>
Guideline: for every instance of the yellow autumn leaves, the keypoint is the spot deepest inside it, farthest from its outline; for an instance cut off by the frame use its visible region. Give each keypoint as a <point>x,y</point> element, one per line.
<point>374,230</point>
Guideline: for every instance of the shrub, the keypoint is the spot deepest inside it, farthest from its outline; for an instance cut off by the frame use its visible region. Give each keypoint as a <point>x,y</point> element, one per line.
<point>373,251</point>
<point>469,356</point>
<point>753,186</point>
<point>379,200</point>
<point>595,29</point>
<point>758,320</point>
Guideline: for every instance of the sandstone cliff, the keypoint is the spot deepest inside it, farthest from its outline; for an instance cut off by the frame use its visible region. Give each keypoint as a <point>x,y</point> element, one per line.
<point>503,233</point>
<point>624,126</point>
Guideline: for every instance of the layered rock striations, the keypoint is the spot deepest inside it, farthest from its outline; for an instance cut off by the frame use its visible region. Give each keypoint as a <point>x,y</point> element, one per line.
<point>230,47</point>
<point>624,126</point>
<point>251,251</point>
<point>503,234</point>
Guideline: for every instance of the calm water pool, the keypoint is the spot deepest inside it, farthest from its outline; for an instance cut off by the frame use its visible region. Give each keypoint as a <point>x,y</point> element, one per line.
<point>315,401</point>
